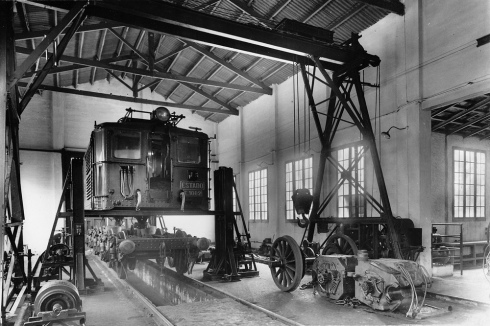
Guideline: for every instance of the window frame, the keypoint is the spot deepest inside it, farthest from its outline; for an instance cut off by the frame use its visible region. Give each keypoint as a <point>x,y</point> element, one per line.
<point>464,184</point>
<point>288,206</point>
<point>361,210</point>
<point>252,196</point>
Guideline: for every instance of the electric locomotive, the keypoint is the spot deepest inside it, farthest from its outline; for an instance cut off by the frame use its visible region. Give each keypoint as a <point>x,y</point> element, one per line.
<point>146,164</point>
<point>146,168</point>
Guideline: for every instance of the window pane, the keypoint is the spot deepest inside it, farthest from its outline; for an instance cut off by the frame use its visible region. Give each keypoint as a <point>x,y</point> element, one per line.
<point>469,184</point>
<point>126,144</point>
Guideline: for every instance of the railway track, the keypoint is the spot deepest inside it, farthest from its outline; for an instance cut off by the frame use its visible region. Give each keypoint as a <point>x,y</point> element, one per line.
<point>173,299</point>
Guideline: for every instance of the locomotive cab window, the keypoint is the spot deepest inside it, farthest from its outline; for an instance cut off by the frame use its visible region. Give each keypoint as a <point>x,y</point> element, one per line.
<point>126,145</point>
<point>188,150</point>
<point>158,160</point>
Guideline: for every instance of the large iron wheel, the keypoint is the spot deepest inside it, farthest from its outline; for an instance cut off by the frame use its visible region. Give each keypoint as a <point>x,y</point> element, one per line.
<point>340,244</point>
<point>486,263</point>
<point>286,263</point>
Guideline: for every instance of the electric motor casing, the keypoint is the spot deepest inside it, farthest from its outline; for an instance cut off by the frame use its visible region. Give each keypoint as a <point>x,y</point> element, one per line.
<point>57,292</point>
<point>332,275</point>
<point>381,283</point>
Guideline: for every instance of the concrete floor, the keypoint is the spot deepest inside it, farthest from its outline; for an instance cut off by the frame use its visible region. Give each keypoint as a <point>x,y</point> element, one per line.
<point>471,286</point>
<point>117,306</point>
<point>306,308</point>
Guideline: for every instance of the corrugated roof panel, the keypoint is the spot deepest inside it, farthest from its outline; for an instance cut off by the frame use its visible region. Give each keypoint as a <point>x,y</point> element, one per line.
<point>186,61</point>
<point>340,14</point>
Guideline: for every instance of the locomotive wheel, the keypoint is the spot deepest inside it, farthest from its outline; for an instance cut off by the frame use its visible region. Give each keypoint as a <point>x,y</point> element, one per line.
<point>286,266</point>
<point>344,243</point>
<point>331,249</point>
<point>57,295</point>
<point>180,262</point>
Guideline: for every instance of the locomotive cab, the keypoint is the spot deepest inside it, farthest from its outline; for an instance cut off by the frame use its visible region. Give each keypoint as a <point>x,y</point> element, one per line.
<point>146,164</point>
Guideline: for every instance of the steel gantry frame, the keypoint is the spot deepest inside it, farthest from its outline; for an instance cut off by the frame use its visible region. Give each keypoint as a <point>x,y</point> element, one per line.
<point>340,104</point>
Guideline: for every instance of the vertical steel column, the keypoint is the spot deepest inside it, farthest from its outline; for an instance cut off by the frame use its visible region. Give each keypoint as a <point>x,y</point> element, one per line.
<point>369,134</point>
<point>223,261</point>
<point>77,228</point>
<point>6,31</point>
<point>5,12</point>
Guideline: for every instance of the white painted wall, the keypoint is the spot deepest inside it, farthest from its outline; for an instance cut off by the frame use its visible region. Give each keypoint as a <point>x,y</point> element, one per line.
<point>55,121</point>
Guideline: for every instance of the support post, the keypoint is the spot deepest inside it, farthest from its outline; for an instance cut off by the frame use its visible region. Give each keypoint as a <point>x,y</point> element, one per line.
<point>5,12</point>
<point>77,228</point>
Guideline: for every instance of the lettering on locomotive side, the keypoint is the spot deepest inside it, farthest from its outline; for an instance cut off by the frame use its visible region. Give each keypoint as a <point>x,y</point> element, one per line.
<point>191,185</point>
<point>193,193</point>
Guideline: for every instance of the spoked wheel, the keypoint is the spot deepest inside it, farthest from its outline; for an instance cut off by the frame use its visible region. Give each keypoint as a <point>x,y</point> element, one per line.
<point>331,249</point>
<point>286,263</point>
<point>486,263</point>
<point>341,243</point>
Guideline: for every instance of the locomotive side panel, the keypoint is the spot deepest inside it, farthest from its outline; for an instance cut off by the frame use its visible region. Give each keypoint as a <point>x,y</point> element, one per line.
<point>190,170</point>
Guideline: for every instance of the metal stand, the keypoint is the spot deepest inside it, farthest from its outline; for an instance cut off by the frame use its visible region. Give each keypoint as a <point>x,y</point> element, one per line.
<point>68,257</point>
<point>230,260</point>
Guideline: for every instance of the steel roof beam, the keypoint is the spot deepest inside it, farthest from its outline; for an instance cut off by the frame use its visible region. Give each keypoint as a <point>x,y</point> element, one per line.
<point>119,79</point>
<point>215,31</point>
<point>160,75</point>
<point>393,6</point>
<point>87,28</point>
<point>102,38</point>
<point>316,11</point>
<point>59,69</point>
<point>125,98</point>
<point>39,50</point>
<point>54,58</point>
<point>205,5</point>
<point>463,113</point>
<point>248,39</point>
<point>81,40</point>
<point>132,47</point>
<point>228,65</point>
<point>471,123</point>
<point>249,11</point>
<point>281,8</point>
<point>210,97</point>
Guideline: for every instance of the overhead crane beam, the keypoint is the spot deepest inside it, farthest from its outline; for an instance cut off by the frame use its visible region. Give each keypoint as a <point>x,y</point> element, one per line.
<point>163,17</point>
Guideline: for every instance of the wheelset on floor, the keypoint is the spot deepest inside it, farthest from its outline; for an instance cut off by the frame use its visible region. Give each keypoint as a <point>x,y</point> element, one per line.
<point>287,263</point>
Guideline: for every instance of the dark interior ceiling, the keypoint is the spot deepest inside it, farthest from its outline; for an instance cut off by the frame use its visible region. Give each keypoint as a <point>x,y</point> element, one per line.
<point>467,118</point>
<point>211,81</point>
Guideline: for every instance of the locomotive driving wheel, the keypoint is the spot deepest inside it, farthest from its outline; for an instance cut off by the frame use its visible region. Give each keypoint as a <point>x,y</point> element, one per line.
<point>340,244</point>
<point>286,263</point>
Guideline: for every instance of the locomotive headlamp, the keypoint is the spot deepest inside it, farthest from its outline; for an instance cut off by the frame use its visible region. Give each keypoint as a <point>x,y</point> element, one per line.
<point>161,113</point>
